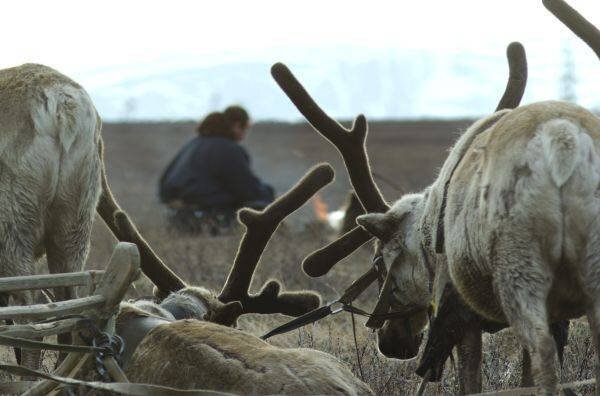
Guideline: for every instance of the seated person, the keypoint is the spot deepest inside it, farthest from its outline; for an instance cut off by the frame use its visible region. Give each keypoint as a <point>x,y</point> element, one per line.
<point>211,175</point>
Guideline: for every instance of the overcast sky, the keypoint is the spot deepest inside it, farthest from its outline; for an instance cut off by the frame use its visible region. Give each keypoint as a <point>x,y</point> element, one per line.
<point>82,38</point>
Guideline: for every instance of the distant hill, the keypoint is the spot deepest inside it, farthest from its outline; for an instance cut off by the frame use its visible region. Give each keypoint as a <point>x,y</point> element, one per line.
<point>382,85</point>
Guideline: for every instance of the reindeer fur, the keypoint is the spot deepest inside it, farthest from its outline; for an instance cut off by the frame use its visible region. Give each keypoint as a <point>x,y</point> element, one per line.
<point>520,227</point>
<point>193,353</point>
<point>49,175</point>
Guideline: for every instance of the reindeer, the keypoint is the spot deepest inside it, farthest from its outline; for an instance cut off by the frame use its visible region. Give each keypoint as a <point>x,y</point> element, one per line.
<point>53,180</point>
<point>50,176</point>
<point>509,222</point>
<point>178,342</point>
<point>400,338</point>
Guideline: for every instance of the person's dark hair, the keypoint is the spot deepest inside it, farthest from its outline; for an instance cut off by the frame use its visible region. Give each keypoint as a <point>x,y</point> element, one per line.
<point>236,114</point>
<point>215,124</point>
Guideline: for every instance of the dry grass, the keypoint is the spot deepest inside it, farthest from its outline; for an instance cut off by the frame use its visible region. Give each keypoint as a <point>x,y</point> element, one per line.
<point>407,152</point>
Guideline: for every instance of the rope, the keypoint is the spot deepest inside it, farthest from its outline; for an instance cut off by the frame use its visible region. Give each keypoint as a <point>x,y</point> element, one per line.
<point>358,359</point>
<point>327,310</point>
<point>28,344</point>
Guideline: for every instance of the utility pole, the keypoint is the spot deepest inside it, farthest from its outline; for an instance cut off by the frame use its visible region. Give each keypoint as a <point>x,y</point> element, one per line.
<point>568,80</point>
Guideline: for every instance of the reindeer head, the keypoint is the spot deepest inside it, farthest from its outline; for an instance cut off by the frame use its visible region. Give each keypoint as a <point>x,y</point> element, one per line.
<point>406,291</point>
<point>399,245</point>
<point>185,301</point>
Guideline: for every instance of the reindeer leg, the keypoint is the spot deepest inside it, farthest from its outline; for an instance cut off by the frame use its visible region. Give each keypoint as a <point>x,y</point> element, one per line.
<point>560,333</point>
<point>70,225</point>
<point>469,361</point>
<point>523,287</point>
<point>16,259</point>
<point>29,358</point>
<point>591,275</point>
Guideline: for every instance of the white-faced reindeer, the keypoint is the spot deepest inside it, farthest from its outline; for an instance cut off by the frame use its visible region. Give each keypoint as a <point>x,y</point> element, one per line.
<point>510,221</point>
<point>198,353</point>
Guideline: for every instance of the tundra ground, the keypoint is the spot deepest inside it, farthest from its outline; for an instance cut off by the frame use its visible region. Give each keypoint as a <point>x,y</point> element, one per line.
<point>407,153</point>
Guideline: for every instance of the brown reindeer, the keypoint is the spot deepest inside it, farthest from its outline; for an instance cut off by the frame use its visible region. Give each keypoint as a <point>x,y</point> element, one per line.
<point>199,353</point>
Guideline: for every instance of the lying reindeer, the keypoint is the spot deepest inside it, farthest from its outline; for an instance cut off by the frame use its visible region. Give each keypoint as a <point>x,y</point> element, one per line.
<point>177,342</point>
<point>411,231</point>
<point>52,182</point>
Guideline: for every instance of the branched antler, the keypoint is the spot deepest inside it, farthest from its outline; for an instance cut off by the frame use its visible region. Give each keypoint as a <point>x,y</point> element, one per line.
<point>260,226</point>
<point>350,143</point>
<point>352,146</point>
<point>125,231</point>
<point>576,23</point>
<point>517,77</point>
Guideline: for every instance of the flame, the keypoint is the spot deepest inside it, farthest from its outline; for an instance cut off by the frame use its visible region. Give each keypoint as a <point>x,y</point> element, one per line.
<point>320,208</point>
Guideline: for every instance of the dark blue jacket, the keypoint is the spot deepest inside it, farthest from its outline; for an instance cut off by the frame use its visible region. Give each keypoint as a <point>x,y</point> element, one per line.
<point>213,172</point>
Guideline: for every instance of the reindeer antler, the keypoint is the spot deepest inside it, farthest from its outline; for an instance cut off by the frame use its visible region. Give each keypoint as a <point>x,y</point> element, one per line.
<point>125,231</point>
<point>575,22</point>
<point>352,146</point>
<point>350,143</point>
<point>260,226</point>
<point>320,262</point>
<point>517,77</point>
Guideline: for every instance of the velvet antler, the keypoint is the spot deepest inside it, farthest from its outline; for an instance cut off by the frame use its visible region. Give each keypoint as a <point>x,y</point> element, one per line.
<point>125,231</point>
<point>517,77</point>
<point>575,22</point>
<point>319,262</point>
<point>260,226</point>
<point>350,143</point>
<point>352,146</point>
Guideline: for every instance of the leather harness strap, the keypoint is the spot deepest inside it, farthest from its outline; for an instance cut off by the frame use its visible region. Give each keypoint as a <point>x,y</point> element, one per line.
<point>350,294</point>
<point>384,301</point>
<point>376,319</point>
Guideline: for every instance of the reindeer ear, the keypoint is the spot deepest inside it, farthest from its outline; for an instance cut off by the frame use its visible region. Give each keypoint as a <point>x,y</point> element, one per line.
<point>380,225</point>
<point>228,314</point>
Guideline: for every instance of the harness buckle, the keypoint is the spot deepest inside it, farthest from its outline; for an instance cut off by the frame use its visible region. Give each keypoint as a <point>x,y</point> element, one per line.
<point>336,310</point>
